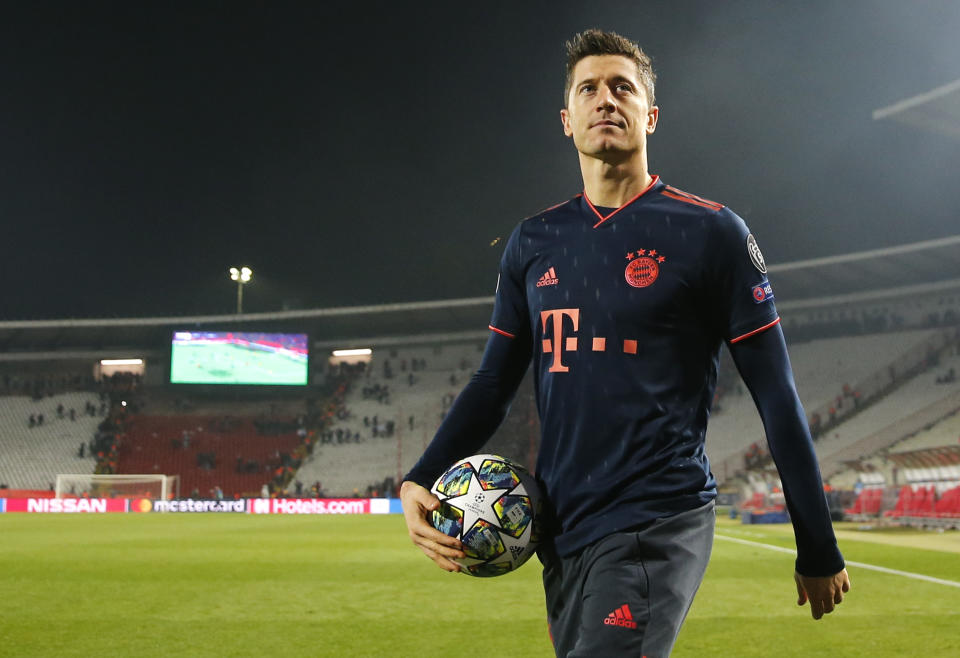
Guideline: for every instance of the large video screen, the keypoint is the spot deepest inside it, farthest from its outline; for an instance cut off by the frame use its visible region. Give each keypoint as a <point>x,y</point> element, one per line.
<point>233,357</point>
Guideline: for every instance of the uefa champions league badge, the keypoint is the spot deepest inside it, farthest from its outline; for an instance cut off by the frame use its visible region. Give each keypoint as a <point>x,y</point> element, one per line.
<point>755,256</point>
<point>643,268</point>
<point>762,292</point>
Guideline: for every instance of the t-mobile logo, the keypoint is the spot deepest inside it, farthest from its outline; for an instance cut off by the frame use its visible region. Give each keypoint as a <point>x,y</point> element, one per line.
<point>553,322</point>
<point>558,344</point>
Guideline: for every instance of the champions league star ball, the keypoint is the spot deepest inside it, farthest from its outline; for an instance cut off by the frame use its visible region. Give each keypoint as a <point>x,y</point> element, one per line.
<point>491,505</point>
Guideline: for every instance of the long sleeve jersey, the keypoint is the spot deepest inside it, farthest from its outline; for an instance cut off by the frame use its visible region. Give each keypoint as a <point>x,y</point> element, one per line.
<point>622,313</point>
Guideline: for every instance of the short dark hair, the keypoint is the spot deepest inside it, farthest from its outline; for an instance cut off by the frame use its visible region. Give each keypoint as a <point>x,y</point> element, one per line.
<point>598,42</point>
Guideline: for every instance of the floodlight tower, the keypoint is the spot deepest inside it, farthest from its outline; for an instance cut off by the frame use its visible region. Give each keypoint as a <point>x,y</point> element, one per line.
<point>241,276</point>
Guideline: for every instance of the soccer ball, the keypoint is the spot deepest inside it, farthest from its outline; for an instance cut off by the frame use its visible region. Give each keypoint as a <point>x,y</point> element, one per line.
<point>491,505</point>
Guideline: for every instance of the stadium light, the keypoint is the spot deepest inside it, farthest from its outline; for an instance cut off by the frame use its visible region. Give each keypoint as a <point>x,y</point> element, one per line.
<point>241,276</point>
<point>121,362</point>
<point>363,352</point>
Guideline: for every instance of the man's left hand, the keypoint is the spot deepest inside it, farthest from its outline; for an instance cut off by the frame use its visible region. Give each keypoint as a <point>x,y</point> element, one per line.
<point>824,593</point>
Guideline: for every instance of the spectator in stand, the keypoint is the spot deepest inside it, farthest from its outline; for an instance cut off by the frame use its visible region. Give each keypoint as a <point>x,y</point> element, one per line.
<point>816,425</point>
<point>264,491</point>
<point>80,453</point>
<point>33,420</point>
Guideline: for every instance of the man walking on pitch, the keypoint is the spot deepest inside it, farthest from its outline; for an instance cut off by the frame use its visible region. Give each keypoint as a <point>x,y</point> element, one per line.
<point>622,296</point>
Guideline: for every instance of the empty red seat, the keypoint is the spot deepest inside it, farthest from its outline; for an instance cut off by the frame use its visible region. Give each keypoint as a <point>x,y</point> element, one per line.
<point>949,504</point>
<point>904,501</point>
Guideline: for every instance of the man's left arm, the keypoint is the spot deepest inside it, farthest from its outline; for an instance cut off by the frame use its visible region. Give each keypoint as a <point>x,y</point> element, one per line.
<point>764,365</point>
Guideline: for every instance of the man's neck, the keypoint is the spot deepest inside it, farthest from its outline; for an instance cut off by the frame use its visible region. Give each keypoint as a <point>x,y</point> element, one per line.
<point>611,184</point>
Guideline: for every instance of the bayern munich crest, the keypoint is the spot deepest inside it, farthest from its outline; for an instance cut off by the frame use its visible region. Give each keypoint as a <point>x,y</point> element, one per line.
<point>643,268</point>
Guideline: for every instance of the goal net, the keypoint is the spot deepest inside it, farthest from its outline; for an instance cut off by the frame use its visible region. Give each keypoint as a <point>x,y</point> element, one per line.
<point>157,487</point>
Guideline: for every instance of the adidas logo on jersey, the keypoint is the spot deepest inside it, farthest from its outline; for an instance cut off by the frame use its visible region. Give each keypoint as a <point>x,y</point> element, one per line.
<point>621,617</point>
<point>549,278</point>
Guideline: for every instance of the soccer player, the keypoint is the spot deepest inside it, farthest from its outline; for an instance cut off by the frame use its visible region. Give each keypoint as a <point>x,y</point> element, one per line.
<point>621,297</point>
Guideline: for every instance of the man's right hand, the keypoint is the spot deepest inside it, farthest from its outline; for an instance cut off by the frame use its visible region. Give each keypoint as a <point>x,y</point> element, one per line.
<point>417,503</point>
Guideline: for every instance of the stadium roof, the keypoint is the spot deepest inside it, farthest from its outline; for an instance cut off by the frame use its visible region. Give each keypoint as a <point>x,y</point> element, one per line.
<point>937,110</point>
<point>906,270</point>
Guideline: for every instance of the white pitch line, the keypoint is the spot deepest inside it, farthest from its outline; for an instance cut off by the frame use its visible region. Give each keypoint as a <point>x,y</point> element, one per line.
<point>861,565</point>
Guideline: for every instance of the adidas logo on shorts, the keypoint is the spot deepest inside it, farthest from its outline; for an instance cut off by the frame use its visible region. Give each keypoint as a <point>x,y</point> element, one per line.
<point>621,617</point>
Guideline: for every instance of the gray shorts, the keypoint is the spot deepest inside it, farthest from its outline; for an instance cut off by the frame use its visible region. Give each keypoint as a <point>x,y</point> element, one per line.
<point>628,593</point>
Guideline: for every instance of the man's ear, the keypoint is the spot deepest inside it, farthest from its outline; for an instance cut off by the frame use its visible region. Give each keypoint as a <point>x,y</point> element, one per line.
<point>565,119</point>
<point>652,117</point>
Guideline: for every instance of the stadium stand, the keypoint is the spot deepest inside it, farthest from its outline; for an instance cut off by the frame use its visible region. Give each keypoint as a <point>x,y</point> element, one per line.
<point>946,432</point>
<point>391,414</point>
<point>904,411</point>
<point>837,379</point>
<point>34,453</point>
<point>232,453</point>
<point>848,319</point>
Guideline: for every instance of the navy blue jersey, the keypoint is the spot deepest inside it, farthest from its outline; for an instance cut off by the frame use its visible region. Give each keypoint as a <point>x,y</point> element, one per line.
<point>626,313</point>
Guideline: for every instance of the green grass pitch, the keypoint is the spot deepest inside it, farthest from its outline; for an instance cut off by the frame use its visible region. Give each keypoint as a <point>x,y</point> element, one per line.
<point>241,585</point>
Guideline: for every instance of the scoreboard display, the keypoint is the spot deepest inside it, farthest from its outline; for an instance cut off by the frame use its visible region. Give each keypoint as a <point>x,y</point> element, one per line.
<point>234,357</point>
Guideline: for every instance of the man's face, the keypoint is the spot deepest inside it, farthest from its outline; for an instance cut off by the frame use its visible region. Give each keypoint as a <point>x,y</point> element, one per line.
<point>607,112</point>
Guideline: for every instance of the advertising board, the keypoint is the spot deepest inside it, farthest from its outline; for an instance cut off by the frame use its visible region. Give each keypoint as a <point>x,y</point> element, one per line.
<point>143,505</point>
<point>319,506</point>
<point>67,505</point>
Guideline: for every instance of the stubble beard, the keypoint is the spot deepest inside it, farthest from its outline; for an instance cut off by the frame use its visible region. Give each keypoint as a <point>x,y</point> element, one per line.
<point>608,151</point>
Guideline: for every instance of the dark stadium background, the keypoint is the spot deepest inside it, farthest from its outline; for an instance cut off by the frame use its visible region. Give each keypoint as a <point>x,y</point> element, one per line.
<point>372,152</point>
<point>367,160</point>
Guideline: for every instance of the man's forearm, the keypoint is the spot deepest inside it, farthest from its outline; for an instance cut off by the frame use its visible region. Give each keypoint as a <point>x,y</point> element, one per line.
<point>765,368</point>
<point>478,410</point>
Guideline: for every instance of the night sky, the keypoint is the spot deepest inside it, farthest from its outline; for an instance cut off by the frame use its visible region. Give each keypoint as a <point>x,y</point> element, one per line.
<point>372,153</point>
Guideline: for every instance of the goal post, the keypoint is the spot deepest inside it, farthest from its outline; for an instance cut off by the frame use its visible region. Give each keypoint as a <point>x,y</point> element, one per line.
<point>157,487</point>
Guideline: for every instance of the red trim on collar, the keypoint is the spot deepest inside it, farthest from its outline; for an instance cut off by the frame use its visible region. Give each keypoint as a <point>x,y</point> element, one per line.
<point>656,179</point>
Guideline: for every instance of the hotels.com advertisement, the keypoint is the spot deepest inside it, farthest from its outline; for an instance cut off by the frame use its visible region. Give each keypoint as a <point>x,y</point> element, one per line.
<point>318,506</point>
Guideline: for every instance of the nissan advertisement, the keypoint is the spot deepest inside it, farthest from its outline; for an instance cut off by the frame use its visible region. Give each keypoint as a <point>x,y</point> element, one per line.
<point>67,505</point>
